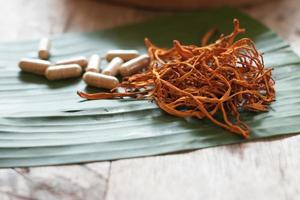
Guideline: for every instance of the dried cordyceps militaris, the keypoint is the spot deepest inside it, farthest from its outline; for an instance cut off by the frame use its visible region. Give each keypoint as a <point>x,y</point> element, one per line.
<point>221,79</point>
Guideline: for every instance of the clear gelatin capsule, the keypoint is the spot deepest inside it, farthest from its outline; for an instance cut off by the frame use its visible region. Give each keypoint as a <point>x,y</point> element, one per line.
<point>35,66</point>
<point>93,64</point>
<point>44,48</point>
<point>80,60</point>
<point>100,80</point>
<point>59,72</point>
<point>113,67</point>
<point>135,65</point>
<point>124,54</point>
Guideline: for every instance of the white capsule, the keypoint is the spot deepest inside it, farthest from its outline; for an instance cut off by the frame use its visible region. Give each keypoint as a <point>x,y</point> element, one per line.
<point>44,48</point>
<point>135,65</point>
<point>124,54</point>
<point>35,66</point>
<point>100,80</point>
<point>93,64</point>
<point>59,72</point>
<point>113,67</point>
<point>80,60</point>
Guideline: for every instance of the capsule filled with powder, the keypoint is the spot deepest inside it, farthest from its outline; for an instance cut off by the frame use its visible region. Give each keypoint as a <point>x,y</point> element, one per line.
<point>135,65</point>
<point>124,54</point>
<point>93,64</point>
<point>59,72</point>
<point>100,80</point>
<point>35,66</point>
<point>113,67</point>
<point>80,60</point>
<point>44,48</point>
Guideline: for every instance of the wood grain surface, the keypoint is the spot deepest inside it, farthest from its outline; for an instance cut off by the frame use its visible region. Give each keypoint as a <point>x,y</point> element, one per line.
<point>267,169</point>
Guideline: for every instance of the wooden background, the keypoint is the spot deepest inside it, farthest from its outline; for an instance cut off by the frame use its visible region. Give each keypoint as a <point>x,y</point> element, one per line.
<point>267,169</point>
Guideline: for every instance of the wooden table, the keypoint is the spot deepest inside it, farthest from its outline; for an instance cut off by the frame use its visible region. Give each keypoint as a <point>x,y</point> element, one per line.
<point>267,169</point>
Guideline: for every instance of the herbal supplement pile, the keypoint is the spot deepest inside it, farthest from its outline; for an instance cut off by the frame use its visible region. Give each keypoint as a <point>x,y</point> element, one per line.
<point>215,81</point>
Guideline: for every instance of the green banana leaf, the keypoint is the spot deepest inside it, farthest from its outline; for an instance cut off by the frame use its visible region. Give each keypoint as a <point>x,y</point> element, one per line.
<point>45,123</point>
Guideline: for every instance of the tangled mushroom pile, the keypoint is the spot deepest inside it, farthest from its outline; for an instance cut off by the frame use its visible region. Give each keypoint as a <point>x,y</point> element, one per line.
<point>215,81</point>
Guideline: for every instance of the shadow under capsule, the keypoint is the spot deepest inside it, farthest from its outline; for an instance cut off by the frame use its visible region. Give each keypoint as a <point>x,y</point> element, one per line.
<point>41,80</point>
